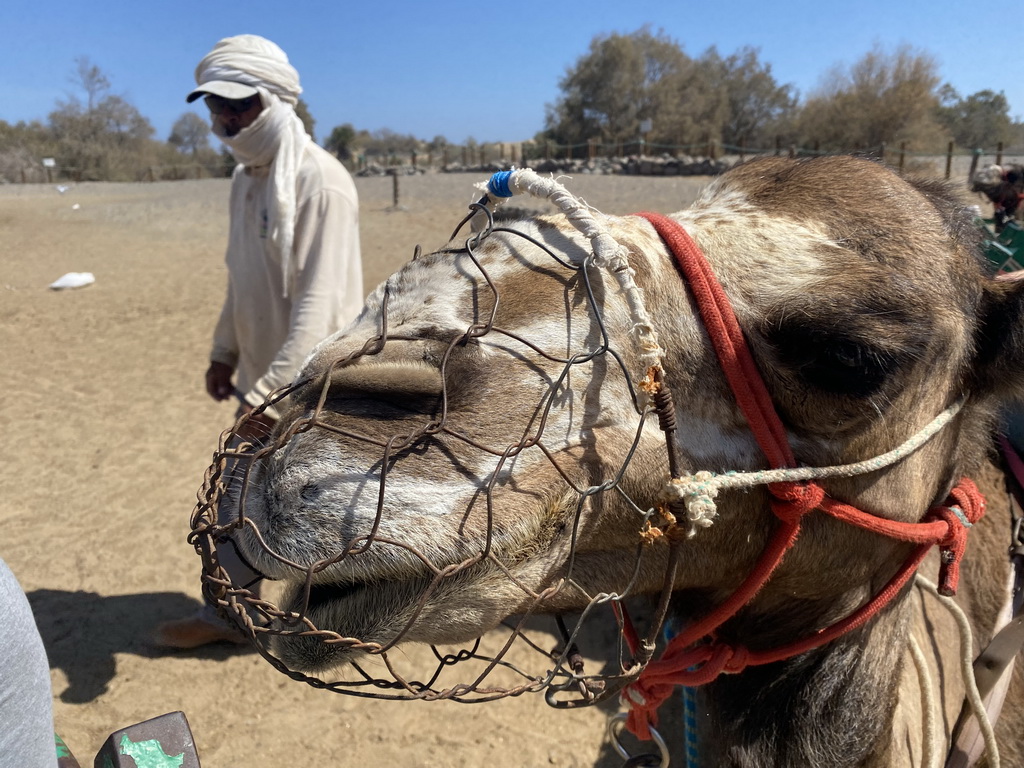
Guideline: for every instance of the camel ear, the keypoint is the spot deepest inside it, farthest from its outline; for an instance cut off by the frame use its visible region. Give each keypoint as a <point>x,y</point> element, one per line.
<point>999,361</point>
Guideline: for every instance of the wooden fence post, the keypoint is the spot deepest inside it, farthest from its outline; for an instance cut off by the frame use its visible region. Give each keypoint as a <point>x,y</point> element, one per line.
<point>444,158</point>
<point>974,164</point>
<point>949,160</point>
<point>778,146</point>
<point>999,153</point>
<point>903,152</point>
<point>740,150</point>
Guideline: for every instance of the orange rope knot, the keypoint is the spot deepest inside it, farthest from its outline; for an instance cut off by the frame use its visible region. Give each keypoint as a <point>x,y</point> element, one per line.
<point>964,507</point>
<point>649,383</point>
<point>661,523</point>
<point>694,666</point>
<point>791,501</point>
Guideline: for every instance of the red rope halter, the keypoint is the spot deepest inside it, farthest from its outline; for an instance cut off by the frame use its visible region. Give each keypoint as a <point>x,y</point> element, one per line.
<point>696,656</point>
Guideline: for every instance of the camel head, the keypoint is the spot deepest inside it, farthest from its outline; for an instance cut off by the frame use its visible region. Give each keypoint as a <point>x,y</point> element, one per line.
<point>987,177</point>
<point>479,443</point>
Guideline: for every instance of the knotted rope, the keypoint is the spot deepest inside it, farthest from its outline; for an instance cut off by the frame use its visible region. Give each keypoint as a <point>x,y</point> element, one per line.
<point>695,656</point>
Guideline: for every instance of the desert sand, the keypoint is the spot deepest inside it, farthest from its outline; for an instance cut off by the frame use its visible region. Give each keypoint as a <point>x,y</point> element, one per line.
<point>107,432</point>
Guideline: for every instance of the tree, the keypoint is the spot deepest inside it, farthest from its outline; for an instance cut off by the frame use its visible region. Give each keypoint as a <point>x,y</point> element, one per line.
<point>979,120</point>
<point>340,142</point>
<point>625,80</point>
<point>884,97</point>
<point>388,144</point>
<point>104,139</point>
<point>90,78</point>
<point>754,101</point>
<point>190,133</point>
<point>618,84</point>
<point>117,117</point>
<point>302,110</point>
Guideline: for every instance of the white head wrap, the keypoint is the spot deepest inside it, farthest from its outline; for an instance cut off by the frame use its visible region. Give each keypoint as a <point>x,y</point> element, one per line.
<point>251,60</point>
<point>276,138</point>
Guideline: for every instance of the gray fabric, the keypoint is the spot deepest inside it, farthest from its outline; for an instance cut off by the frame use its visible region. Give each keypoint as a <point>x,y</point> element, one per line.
<point>26,708</point>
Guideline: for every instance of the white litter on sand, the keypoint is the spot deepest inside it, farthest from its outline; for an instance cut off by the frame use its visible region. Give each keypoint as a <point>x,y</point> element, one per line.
<point>73,280</point>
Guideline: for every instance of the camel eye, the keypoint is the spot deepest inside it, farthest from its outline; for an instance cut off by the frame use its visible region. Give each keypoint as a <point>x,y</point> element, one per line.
<point>310,492</point>
<point>836,364</point>
<point>843,354</point>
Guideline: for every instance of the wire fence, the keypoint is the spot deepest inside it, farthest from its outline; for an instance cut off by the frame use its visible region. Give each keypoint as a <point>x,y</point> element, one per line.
<point>302,641</point>
<point>707,157</point>
<point>638,157</point>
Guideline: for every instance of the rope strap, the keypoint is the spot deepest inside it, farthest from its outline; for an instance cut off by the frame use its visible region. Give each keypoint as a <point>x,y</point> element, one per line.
<point>696,656</point>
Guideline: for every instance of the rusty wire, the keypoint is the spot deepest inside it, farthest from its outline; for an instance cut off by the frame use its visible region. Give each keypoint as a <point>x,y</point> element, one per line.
<point>489,674</point>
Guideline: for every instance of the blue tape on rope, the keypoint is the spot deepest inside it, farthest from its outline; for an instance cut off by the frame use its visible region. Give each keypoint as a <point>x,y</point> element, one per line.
<point>498,185</point>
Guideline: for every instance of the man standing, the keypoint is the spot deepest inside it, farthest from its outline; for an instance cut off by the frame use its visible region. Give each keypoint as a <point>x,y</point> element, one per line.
<point>294,269</point>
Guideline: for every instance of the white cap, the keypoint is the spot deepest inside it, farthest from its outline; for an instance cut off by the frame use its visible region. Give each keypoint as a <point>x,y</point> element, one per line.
<point>224,88</point>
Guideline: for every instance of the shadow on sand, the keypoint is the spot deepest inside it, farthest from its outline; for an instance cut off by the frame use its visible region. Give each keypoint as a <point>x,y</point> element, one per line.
<point>82,632</point>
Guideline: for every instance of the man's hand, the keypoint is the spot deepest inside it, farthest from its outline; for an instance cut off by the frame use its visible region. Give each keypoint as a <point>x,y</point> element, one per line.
<point>218,381</point>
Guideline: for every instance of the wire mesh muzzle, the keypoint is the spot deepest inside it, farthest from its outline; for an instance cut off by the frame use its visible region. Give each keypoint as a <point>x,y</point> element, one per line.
<point>530,652</point>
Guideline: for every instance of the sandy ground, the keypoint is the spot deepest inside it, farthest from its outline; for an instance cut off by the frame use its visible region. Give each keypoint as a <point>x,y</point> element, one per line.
<point>107,431</point>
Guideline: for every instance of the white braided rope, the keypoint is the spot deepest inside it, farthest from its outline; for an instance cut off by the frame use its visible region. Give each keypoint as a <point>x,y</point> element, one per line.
<point>967,669</point>
<point>608,255</point>
<point>698,490</point>
<point>929,708</point>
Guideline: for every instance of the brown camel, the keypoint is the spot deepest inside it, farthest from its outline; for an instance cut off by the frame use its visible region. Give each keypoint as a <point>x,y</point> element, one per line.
<point>479,445</point>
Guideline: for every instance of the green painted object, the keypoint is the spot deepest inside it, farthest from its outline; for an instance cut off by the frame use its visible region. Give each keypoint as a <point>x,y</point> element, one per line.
<point>160,742</point>
<point>149,753</point>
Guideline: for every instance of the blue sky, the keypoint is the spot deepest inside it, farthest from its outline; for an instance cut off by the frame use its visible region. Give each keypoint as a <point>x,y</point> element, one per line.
<point>481,70</point>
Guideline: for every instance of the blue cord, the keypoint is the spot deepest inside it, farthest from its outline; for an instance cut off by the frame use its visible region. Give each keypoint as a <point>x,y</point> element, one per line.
<point>498,185</point>
<point>689,696</point>
<point>690,722</point>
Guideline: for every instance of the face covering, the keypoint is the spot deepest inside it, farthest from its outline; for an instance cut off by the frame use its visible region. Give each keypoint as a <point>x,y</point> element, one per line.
<point>276,138</point>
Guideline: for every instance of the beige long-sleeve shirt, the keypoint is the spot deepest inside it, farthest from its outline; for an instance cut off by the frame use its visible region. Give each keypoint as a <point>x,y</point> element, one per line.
<point>261,333</point>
